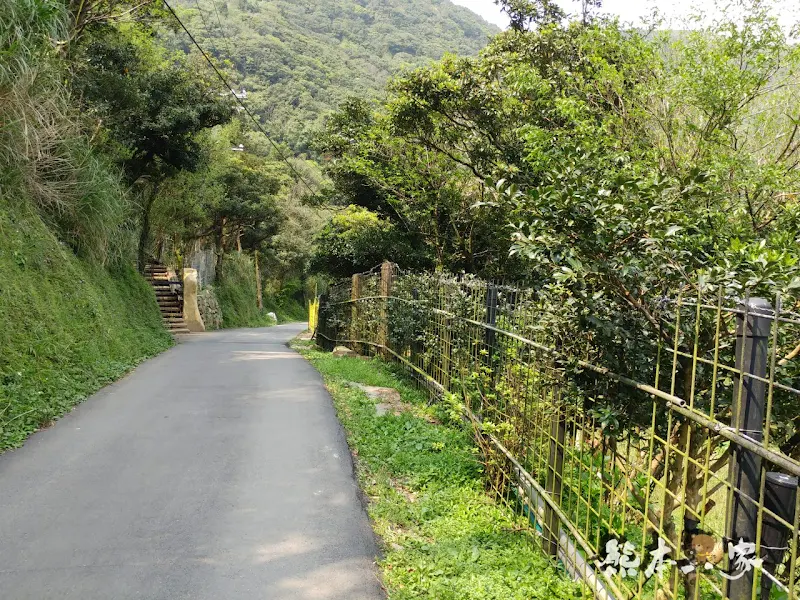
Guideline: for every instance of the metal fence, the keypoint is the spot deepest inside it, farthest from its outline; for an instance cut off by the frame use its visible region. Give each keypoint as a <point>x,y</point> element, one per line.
<point>663,466</point>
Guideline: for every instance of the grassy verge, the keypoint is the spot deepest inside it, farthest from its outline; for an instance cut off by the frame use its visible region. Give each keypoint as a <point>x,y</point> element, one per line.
<point>444,538</point>
<point>67,326</point>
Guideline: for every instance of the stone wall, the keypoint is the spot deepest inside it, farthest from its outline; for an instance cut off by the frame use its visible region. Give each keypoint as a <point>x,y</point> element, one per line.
<point>209,308</point>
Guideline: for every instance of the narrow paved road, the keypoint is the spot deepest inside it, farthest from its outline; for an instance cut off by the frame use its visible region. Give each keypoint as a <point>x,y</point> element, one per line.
<point>217,471</point>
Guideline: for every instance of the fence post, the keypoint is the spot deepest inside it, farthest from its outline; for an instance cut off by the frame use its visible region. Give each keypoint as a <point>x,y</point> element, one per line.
<point>491,319</point>
<point>555,472</point>
<point>387,275</point>
<point>752,349</point>
<point>355,294</point>
<point>416,345</point>
<point>323,327</point>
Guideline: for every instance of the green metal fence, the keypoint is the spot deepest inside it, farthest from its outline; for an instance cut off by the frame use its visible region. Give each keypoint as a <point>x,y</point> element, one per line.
<point>664,469</point>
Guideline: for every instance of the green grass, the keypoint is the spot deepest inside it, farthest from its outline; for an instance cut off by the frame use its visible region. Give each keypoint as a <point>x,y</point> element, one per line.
<point>444,537</point>
<point>67,326</point>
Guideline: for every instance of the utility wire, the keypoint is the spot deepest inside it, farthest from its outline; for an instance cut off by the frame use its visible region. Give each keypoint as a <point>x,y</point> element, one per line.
<point>202,18</point>
<point>222,31</point>
<point>242,104</point>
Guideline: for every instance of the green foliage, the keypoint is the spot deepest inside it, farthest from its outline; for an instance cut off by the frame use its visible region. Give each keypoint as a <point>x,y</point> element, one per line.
<point>237,295</point>
<point>356,240</point>
<point>67,325</point>
<point>524,13</point>
<point>616,169</point>
<point>152,106</point>
<point>299,60</point>
<point>288,308</point>
<point>291,250</point>
<point>45,156</point>
<point>85,16</point>
<point>443,536</point>
<point>242,200</point>
<point>623,172</point>
<point>439,211</point>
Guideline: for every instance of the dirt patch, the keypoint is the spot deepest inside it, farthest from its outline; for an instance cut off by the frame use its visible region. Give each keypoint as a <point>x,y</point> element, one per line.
<point>388,400</point>
<point>340,351</point>
<point>406,492</point>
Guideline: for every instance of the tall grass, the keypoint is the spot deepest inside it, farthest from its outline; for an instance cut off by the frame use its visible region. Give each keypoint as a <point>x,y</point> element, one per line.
<point>45,156</point>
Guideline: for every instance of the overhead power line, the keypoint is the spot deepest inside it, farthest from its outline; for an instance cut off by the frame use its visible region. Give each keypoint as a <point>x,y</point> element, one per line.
<point>202,18</point>
<point>238,100</point>
<point>222,30</point>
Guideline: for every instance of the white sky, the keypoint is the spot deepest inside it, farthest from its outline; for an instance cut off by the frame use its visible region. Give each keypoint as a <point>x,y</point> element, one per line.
<point>632,10</point>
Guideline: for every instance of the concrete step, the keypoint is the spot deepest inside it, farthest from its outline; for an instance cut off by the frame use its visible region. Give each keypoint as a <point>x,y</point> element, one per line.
<point>168,302</point>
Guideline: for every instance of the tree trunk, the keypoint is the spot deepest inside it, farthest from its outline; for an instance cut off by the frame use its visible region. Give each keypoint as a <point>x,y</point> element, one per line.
<point>675,485</point>
<point>220,247</point>
<point>259,294</point>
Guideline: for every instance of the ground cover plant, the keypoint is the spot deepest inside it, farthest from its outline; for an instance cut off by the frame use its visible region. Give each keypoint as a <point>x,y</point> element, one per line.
<point>67,325</point>
<point>443,536</point>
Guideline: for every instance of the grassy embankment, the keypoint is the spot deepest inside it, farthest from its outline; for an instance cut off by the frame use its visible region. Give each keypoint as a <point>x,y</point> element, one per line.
<point>236,293</point>
<point>67,326</point>
<point>442,535</point>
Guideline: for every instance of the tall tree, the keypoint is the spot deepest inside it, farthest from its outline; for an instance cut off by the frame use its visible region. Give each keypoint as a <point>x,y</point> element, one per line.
<point>152,107</point>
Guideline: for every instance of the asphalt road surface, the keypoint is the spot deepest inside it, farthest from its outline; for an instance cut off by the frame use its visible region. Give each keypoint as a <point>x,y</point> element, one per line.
<point>215,471</point>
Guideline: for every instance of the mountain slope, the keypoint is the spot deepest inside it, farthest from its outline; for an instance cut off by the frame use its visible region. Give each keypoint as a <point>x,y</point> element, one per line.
<point>298,59</point>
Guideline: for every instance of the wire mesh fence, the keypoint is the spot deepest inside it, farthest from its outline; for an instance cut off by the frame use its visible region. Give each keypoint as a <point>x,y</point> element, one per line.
<point>661,465</point>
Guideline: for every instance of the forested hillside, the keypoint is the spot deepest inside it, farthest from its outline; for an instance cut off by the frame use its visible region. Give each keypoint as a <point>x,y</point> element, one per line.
<point>298,60</point>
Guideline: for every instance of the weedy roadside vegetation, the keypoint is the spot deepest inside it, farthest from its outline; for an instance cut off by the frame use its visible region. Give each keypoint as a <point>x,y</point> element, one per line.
<point>442,535</point>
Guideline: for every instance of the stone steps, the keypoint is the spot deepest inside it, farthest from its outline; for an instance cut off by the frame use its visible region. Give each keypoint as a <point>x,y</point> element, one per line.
<point>168,302</point>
